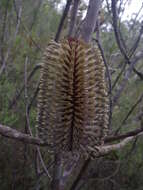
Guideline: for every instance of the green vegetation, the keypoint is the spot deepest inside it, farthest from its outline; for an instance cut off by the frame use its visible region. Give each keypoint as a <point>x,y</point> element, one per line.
<point>21,51</point>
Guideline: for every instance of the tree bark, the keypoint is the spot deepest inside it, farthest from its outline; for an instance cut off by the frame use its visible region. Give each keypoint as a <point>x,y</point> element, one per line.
<point>90,20</point>
<point>73,17</point>
<point>65,13</point>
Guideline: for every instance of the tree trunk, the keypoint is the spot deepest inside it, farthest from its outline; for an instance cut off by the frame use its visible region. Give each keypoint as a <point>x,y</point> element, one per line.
<point>90,20</point>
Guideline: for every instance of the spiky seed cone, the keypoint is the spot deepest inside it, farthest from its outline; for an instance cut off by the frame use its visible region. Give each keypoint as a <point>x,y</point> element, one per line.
<point>72,101</point>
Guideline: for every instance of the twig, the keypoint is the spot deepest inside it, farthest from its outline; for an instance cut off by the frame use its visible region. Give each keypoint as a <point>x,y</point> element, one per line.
<point>41,174</point>
<point>129,113</point>
<point>108,148</point>
<point>132,133</point>
<point>43,164</point>
<point>136,18</point>
<point>4,59</point>
<point>3,28</point>
<point>16,98</point>
<point>28,128</point>
<point>26,30</point>
<point>133,49</point>
<point>117,36</point>
<point>34,97</point>
<point>66,10</point>
<point>26,98</point>
<point>135,60</point>
<point>132,149</point>
<point>127,58</point>
<point>119,76</point>
<point>27,123</point>
<point>124,81</point>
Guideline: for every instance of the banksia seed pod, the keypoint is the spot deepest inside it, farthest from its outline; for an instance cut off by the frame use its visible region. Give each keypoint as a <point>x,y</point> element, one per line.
<point>72,100</point>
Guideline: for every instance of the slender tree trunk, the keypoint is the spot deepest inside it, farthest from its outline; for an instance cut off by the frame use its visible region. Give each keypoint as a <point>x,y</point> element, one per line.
<point>73,17</point>
<point>90,20</point>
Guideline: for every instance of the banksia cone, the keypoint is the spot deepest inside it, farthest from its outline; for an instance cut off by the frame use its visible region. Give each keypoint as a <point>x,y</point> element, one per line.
<point>72,101</point>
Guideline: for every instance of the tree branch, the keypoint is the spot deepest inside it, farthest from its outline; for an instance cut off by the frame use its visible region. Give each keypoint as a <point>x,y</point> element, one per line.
<point>73,17</point>
<point>8,132</point>
<point>90,20</point>
<point>16,98</point>
<point>108,148</point>
<point>14,134</point>
<point>118,39</point>
<point>129,113</point>
<point>132,133</point>
<point>62,20</point>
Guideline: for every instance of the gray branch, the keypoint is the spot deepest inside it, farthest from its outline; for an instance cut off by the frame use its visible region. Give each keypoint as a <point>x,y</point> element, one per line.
<point>90,20</point>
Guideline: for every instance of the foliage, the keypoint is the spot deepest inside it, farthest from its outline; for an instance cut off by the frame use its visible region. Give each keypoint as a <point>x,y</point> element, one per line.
<point>38,25</point>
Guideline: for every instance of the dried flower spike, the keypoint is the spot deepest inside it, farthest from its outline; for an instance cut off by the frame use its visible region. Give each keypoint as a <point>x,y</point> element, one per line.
<point>72,101</point>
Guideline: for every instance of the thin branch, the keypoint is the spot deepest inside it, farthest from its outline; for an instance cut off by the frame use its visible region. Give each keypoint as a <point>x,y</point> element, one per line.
<point>132,133</point>
<point>135,60</point>
<point>36,11</point>
<point>4,59</point>
<point>136,17</point>
<point>65,13</point>
<point>108,148</point>
<point>133,49</point>
<point>28,128</point>
<point>26,30</point>
<point>43,164</point>
<point>118,40</point>
<point>73,17</point>
<point>22,137</point>
<point>124,81</point>
<point>132,149</point>
<point>130,62</point>
<point>115,26</point>
<point>129,113</point>
<point>3,28</point>
<point>119,76</point>
<point>34,97</point>
<point>16,98</point>
<point>108,6</point>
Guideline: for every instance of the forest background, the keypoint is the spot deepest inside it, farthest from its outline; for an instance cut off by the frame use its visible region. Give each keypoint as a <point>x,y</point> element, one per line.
<point>26,27</point>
